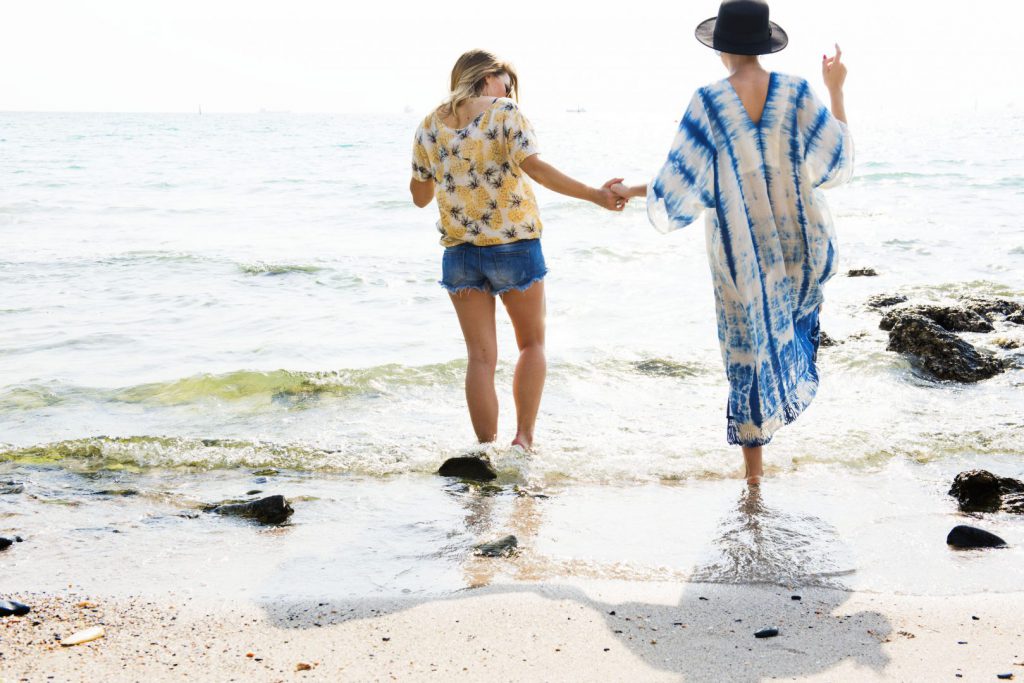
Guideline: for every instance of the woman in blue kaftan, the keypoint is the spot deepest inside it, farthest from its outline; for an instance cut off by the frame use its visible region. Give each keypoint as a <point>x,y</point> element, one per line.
<point>756,171</point>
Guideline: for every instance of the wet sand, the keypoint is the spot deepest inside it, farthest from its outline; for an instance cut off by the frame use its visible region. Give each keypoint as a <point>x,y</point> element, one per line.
<point>606,630</point>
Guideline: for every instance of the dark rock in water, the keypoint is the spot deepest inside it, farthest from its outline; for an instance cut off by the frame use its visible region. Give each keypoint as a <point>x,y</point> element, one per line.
<point>942,353</point>
<point>253,492</point>
<point>10,608</point>
<point>951,318</point>
<point>11,487</point>
<point>767,633</point>
<point>862,272</point>
<point>990,307</point>
<point>1016,318</point>
<point>885,300</point>
<point>503,547</point>
<point>468,467</point>
<point>982,491</point>
<point>971,537</point>
<point>269,510</point>
<point>5,543</point>
<point>268,472</point>
<point>116,492</point>
<point>660,367</point>
<point>824,340</point>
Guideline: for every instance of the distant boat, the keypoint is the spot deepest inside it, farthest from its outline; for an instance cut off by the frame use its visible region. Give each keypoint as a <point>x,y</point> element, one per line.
<point>577,110</point>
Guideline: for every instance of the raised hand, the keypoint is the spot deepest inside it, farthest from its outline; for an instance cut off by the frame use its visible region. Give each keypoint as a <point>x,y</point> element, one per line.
<point>833,71</point>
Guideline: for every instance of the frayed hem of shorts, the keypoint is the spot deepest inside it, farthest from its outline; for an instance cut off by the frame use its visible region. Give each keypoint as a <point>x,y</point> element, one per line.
<point>524,287</point>
<point>464,288</point>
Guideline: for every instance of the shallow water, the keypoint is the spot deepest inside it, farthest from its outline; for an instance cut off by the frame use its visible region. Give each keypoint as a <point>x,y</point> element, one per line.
<point>185,299</point>
<point>881,530</point>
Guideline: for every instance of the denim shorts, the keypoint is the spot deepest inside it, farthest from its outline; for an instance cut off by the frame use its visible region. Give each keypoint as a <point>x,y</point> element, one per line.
<point>496,269</point>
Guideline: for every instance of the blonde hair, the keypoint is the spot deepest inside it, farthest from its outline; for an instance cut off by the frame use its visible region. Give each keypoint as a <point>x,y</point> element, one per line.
<point>470,72</point>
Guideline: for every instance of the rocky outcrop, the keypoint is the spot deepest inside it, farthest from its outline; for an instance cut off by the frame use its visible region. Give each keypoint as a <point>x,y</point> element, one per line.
<point>862,272</point>
<point>950,318</point>
<point>993,308</point>
<point>941,353</point>
<point>982,491</point>
<point>885,300</point>
<point>269,510</point>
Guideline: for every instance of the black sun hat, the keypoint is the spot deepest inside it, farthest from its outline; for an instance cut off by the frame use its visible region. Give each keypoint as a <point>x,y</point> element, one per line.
<point>742,28</point>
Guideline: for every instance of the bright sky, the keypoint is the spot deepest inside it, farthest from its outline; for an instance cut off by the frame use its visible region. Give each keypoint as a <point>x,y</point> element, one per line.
<point>926,56</point>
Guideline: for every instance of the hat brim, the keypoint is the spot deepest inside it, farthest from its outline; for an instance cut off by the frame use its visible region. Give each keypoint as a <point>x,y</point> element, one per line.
<point>705,33</point>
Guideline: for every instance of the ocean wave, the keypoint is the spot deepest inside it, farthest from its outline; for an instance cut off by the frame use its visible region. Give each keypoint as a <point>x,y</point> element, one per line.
<point>904,175</point>
<point>553,463</point>
<point>294,387</point>
<point>261,268</point>
<point>137,453</point>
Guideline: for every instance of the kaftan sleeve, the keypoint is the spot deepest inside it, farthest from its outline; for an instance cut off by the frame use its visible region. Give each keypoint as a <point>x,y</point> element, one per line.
<point>683,187</point>
<point>827,143</point>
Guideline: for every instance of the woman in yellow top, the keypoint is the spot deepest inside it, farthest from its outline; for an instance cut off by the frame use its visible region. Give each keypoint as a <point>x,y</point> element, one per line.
<point>472,153</point>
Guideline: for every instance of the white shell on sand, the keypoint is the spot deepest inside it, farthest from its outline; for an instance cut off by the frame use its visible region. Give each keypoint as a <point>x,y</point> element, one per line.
<point>84,636</point>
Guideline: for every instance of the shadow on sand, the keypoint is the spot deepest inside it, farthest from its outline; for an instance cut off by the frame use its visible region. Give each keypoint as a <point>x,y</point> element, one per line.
<point>760,558</point>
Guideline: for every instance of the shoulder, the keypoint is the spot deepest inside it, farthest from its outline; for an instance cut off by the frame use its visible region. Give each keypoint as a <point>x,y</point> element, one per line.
<point>797,85</point>
<point>506,106</point>
<point>428,124</point>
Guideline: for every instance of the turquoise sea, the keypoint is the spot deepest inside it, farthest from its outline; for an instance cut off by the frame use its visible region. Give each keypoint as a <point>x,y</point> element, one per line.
<point>186,300</point>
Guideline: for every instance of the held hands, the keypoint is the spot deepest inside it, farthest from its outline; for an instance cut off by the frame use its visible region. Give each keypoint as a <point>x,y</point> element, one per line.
<point>608,199</point>
<point>833,71</point>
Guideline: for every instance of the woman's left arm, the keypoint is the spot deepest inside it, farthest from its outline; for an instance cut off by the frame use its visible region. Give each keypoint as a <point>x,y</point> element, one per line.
<point>422,191</point>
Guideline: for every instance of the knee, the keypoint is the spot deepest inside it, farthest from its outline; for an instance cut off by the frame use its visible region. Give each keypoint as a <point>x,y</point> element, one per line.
<point>534,347</point>
<point>483,359</point>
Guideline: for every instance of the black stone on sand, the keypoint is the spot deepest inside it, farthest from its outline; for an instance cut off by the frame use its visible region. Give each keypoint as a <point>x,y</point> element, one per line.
<point>269,510</point>
<point>971,537</point>
<point>468,467</point>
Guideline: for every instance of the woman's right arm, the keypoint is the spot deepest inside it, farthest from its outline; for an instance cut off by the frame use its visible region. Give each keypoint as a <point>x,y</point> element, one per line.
<point>556,181</point>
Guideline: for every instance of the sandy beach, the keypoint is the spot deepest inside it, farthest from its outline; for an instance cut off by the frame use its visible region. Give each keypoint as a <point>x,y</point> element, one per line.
<point>608,630</point>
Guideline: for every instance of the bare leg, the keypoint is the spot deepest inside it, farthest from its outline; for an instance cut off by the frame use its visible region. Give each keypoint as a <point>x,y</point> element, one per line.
<point>476,316</point>
<point>526,309</point>
<point>754,469</point>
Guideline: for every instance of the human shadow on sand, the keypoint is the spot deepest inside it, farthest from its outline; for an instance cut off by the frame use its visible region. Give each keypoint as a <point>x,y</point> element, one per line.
<point>760,558</point>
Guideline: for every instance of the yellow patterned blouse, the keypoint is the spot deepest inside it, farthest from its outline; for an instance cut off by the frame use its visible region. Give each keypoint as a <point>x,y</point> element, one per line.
<point>482,193</point>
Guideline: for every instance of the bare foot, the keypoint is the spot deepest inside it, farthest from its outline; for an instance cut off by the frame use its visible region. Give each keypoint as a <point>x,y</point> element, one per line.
<point>752,479</point>
<point>523,443</point>
<point>753,468</point>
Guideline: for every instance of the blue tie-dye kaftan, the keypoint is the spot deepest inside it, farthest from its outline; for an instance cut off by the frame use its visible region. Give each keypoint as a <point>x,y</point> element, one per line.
<point>770,240</point>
